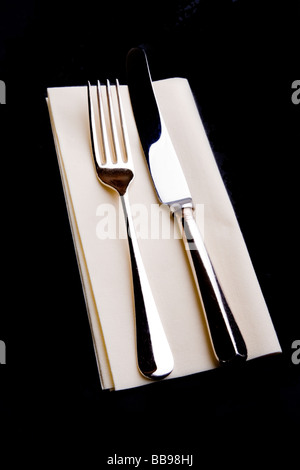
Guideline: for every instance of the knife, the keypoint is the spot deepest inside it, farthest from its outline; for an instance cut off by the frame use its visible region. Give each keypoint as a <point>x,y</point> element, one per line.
<point>172,189</point>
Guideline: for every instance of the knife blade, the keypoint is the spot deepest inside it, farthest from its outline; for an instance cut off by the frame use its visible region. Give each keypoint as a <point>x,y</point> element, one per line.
<point>172,189</point>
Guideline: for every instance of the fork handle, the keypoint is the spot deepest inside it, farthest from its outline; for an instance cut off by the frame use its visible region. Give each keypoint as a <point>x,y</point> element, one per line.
<point>154,356</point>
<point>227,340</point>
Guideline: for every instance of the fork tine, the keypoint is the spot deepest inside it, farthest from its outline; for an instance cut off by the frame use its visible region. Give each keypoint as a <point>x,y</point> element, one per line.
<point>104,135</point>
<point>93,133</point>
<point>123,125</point>
<point>117,149</point>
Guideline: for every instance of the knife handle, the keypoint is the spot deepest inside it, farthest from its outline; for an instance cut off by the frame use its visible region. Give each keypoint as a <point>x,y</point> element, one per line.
<point>227,340</point>
<point>154,356</point>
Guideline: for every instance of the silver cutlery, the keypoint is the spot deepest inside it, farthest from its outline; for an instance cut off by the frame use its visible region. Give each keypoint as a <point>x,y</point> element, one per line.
<point>114,168</point>
<point>172,189</point>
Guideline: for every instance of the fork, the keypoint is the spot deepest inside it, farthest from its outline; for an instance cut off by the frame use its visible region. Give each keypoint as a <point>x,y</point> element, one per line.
<point>114,168</point>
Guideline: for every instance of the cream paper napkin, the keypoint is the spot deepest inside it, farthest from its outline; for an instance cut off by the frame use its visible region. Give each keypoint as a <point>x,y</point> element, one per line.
<point>99,234</point>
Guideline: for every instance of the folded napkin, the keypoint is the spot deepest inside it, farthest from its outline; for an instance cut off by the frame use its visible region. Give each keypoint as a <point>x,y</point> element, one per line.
<point>99,234</point>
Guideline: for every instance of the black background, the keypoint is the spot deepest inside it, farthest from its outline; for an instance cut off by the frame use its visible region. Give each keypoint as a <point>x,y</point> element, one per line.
<point>241,58</point>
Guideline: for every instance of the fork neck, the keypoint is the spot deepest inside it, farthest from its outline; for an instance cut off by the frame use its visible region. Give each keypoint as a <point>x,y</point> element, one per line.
<point>117,178</point>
